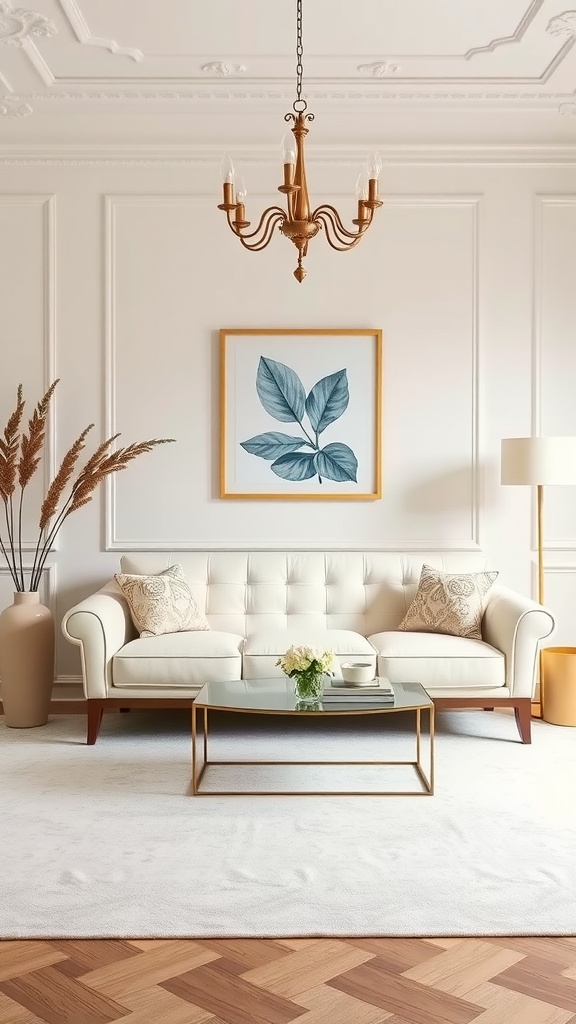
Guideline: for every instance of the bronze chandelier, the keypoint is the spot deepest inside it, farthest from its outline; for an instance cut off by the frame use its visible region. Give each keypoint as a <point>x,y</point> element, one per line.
<point>298,222</point>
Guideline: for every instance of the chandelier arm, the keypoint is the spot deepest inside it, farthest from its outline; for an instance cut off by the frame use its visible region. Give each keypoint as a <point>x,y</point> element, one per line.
<point>332,233</point>
<point>337,224</point>
<point>274,215</point>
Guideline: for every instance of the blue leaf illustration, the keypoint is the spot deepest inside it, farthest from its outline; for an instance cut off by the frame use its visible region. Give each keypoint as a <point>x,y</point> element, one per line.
<point>327,400</point>
<point>295,466</point>
<point>272,444</point>
<point>280,390</point>
<point>337,462</point>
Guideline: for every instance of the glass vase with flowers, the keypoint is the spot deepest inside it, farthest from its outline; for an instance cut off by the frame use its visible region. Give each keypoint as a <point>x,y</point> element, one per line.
<point>307,667</point>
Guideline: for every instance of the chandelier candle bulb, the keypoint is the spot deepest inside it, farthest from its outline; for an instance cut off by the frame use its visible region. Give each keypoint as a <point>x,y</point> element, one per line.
<point>240,215</point>
<point>288,149</point>
<point>227,169</point>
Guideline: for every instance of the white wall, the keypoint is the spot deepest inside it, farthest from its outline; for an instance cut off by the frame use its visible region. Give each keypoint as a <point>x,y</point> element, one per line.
<point>117,271</point>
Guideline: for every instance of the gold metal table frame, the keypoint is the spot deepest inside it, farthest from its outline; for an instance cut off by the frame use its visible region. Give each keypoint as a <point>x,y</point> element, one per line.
<point>199,767</point>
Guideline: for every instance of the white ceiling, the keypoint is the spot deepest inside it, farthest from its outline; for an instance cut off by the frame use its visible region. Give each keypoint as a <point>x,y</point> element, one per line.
<point>421,70</point>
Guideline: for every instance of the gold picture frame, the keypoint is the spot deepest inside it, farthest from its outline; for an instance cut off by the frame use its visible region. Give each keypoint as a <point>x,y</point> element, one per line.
<point>301,414</point>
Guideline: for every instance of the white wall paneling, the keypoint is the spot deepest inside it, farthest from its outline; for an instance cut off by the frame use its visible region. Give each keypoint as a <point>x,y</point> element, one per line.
<point>554,347</point>
<point>560,594</point>
<point>438,509</point>
<point>148,272</point>
<point>28,302</point>
<point>47,589</point>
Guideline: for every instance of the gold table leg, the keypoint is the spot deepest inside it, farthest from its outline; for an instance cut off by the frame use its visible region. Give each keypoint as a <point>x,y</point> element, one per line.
<point>427,781</point>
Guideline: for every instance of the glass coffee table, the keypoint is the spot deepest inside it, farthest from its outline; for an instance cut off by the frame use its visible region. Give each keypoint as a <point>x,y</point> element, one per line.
<point>276,697</point>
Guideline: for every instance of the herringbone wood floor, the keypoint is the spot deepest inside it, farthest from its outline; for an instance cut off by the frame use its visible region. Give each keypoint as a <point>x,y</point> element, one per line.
<point>313,981</point>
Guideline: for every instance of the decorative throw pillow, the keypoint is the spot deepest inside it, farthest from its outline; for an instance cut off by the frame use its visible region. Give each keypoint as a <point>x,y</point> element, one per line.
<point>161,603</point>
<point>448,603</point>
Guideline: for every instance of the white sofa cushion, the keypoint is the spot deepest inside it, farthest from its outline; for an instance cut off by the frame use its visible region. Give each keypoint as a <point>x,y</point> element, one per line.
<point>178,660</point>
<point>438,661</point>
<point>262,649</point>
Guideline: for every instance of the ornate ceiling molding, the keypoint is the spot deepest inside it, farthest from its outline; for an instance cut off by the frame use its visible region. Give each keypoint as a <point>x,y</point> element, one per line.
<point>517,35</point>
<point>258,155</point>
<point>223,70</point>
<point>12,106</point>
<point>378,68</point>
<point>563,24</point>
<point>83,34</point>
<point>17,24</point>
<point>516,98</point>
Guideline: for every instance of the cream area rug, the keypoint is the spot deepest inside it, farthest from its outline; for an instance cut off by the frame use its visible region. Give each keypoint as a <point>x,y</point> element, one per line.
<point>106,841</point>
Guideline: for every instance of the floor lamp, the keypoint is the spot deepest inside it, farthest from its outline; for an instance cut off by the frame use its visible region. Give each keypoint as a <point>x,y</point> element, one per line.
<point>538,462</point>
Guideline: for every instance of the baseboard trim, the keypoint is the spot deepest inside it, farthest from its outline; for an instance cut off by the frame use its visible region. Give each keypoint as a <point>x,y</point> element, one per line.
<point>62,707</point>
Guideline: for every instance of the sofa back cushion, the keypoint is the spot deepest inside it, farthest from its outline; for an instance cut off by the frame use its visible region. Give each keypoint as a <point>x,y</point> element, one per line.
<point>250,591</point>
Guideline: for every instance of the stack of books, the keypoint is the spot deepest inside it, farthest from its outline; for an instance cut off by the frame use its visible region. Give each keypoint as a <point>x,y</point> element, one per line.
<point>379,691</point>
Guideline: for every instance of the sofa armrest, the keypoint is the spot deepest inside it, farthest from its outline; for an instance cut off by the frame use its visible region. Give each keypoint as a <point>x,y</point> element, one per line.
<point>515,625</point>
<point>100,625</point>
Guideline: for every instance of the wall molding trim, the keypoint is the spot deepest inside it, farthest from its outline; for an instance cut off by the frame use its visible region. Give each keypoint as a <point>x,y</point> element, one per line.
<point>48,592</point>
<point>47,205</point>
<point>541,201</point>
<point>150,200</point>
<point>175,154</point>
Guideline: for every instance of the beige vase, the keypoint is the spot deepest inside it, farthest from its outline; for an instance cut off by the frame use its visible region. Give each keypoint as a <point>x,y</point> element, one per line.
<point>26,661</point>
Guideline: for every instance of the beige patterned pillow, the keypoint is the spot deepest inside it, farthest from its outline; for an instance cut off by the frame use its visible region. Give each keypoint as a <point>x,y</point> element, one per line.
<point>448,603</point>
<point>161,603</point>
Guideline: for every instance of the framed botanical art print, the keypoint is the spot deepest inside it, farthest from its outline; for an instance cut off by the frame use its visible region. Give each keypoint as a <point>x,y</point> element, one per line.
<point>301,414</point>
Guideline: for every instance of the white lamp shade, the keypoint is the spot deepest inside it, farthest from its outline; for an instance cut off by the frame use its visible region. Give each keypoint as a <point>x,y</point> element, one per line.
<point>538,460</point>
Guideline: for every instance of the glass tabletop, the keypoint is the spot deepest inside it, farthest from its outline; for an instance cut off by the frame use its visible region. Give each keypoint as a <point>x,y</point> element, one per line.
<point>277,695</point>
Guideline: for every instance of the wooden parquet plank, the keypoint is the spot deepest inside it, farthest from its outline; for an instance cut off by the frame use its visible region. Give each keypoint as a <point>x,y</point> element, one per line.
<point>283,981</point>
<point>327,1005</point>
<point>306,968</point>
<point>536,977</point>
<point>247,952</point>
<point>235,1000</point>
<point>296,943</point>
<point>418,1004</point>
<point>93,953</point>
<point>149,968</point>
<point>156,1005</point>
<point>20,957</point>
<point>561,951</point>
<point>463,967</point>
<point>397,954</point>
<point>15,1013</point>
<point>147,943</point>
<point>502,1006</point>
<point>57,999</point>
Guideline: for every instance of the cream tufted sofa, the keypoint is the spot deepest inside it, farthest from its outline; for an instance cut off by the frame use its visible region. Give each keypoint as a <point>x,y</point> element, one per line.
<point>260,602</point>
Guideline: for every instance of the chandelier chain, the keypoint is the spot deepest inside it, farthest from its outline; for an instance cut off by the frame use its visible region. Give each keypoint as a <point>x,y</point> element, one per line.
<point>299,104</point>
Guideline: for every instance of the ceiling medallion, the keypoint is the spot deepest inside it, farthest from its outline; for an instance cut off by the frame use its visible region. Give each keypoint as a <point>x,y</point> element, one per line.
<point>298,222</point>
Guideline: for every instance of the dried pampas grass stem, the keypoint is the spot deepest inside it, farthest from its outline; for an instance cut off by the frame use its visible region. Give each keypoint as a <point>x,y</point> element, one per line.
<point>20,456</point>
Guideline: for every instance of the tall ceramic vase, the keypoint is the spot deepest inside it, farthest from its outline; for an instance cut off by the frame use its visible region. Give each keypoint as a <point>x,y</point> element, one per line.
<point>26,661</point>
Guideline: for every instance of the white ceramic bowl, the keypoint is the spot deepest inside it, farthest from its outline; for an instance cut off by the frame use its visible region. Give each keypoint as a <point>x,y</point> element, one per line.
<point>357,672</point>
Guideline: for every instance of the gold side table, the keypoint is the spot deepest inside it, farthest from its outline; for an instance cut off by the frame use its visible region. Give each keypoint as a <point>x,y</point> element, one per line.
<point>558,686</point>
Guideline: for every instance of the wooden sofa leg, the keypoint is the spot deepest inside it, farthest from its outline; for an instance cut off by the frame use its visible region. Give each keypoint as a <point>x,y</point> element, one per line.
<point>95,710</point>
<point>522,712</point>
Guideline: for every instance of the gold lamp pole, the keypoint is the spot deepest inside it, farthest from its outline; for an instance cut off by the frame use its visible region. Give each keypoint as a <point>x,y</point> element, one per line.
<point>298,222</point>
<point>539,461</point>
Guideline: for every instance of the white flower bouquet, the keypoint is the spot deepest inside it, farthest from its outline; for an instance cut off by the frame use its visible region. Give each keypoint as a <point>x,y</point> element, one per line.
<point>307,666</point>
